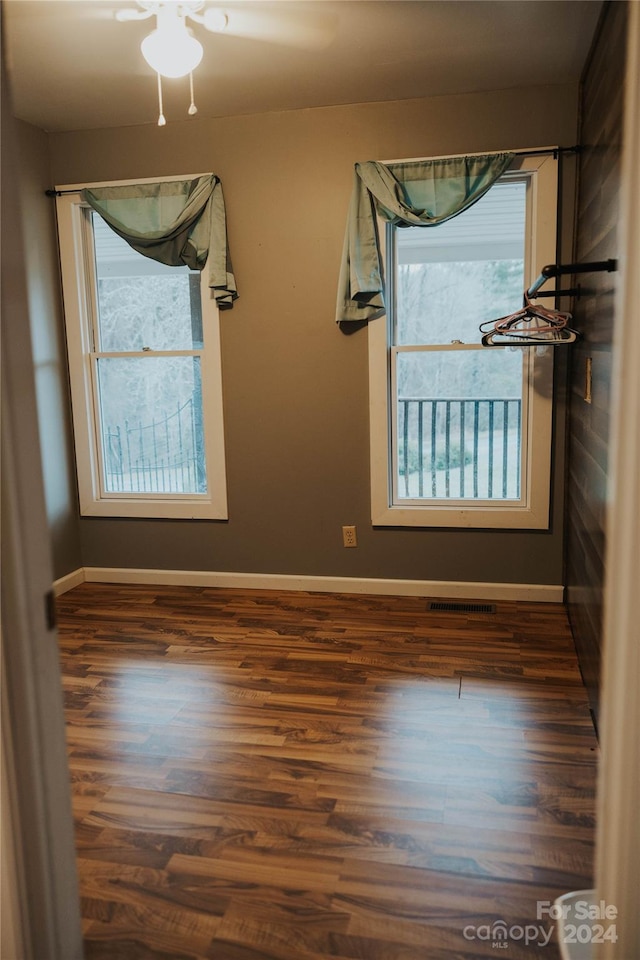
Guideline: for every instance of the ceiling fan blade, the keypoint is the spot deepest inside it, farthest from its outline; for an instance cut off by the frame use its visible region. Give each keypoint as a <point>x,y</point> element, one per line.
<point>124,15</point>
<point>295,28</point>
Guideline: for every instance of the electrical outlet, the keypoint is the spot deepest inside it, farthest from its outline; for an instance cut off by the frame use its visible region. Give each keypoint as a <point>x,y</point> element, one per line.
<point>349,538</point>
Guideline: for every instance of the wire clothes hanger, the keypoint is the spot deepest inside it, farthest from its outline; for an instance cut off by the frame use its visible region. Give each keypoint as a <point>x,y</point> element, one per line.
<point>533,325</point>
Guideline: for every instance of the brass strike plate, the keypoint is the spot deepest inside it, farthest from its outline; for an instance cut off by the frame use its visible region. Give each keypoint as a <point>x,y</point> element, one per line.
<point>587,380</point>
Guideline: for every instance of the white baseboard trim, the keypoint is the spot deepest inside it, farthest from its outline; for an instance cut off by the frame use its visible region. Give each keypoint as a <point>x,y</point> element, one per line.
<point>69,581</point>
<point>447,589</point>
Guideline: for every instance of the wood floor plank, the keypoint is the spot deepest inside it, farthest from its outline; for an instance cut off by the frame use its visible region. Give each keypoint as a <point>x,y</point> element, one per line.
<point>264,775</point>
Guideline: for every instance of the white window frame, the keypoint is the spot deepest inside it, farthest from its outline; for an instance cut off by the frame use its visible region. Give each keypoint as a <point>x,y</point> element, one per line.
<point>80,308</point>
<point>532,510</point>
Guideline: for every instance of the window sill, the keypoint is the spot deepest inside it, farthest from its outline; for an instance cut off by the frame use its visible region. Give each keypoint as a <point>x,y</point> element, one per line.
<point>156,509</point>
<point>468,517</point>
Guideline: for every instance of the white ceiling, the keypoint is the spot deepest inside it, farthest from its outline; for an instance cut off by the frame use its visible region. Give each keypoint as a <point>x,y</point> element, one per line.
<point>73,66</point>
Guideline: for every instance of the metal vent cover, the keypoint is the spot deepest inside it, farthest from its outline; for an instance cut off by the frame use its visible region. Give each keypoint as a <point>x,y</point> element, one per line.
<point>452,606</point>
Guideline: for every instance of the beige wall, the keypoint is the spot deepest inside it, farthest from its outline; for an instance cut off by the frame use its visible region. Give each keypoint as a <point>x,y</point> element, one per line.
<point>295,387</point>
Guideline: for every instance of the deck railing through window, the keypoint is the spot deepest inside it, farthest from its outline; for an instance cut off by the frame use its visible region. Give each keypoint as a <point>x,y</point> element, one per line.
<point>459,448</point>
<point>164,456</point>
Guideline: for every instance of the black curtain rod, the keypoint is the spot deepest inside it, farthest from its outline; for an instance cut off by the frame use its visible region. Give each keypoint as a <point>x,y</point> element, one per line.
<point>561,269</point>
<point>519,153</point>
<point>60,193</point>
<point>576,148</point>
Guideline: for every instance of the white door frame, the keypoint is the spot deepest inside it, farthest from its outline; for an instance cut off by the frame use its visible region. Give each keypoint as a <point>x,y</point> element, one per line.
<point>618,838</point>
<point>40,904</point>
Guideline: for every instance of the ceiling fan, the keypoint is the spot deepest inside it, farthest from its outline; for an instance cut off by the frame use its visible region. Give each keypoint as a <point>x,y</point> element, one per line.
<point>173,51</point>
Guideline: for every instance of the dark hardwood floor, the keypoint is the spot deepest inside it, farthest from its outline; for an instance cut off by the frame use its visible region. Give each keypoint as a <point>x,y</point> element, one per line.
<point>298,776</point>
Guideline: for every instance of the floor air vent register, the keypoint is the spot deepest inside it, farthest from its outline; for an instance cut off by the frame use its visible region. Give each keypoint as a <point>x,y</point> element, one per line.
<point>449,606</point>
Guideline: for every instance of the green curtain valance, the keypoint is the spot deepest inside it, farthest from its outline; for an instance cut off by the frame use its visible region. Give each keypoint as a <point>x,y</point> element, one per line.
<point>176,222</point>
<point>420,193</point>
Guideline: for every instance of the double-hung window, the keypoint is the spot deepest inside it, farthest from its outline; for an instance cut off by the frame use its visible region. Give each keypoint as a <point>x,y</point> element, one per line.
<point>461,433</point>
<point>144,361</point>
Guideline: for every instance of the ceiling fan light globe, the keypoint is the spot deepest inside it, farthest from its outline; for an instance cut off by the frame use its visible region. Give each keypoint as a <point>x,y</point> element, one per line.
<point>172,54</point>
